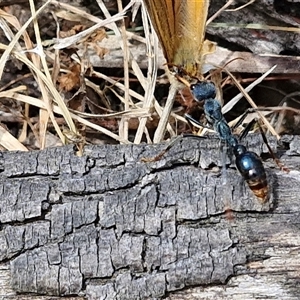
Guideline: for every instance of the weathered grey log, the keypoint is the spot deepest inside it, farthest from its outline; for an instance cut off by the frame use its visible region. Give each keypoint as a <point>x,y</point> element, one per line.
<point>109,226</point>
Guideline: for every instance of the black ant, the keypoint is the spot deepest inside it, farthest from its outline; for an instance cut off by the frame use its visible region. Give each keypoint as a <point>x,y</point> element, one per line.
<point>247,162</point>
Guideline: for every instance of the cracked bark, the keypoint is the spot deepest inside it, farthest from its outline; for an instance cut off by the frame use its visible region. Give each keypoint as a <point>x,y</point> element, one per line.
<point>108,226</point>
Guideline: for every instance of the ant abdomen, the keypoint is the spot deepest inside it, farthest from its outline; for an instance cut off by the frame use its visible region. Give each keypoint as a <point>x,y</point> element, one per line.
<point>251,168</point>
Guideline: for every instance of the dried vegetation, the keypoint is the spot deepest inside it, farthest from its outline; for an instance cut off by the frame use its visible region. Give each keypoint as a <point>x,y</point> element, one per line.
<point>80,72</point>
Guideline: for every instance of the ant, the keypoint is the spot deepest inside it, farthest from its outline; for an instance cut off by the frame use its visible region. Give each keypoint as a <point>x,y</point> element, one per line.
<point>247,162</point>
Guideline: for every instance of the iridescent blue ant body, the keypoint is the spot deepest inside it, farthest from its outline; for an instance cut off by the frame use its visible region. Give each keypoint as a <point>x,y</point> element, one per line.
<point>248,163</point>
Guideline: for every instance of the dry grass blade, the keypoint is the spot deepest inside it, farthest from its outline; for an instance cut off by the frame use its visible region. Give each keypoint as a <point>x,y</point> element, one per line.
<point>252,103</point>
<point>226,108</point>
<point>224,7</point>
<point>57,110</point>
<point>132,113</point>
<point>152,49</point>
<point>134,65</point>
<point>10,92</point>
<point>12,44</point>
<point>68,41</point>
<point>91,95</point>
<point>123,126</point>
<point>255,26</point>
<point>162,125</point>
<point>242,6</point>
<point>37,60</point>
<point>35,67</point>
<point>52,89</point>
<point>44,80</point>
<point>117,84</point>
<point>9,142</point>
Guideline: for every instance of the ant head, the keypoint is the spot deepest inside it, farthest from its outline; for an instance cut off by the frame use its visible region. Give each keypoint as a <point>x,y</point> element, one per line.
<point>203,90</point>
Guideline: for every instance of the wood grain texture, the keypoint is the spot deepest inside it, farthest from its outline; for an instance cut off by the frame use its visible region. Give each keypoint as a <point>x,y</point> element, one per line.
<point>108,226</point>
<point>260,12</point>
<point>242,62</point>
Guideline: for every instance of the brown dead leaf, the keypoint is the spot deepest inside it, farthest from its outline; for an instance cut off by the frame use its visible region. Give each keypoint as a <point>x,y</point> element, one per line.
<point>74,30</point>
<point>101,51</point>
<point>94,37</point>
<point>97,36</point>
<point>70,80</point>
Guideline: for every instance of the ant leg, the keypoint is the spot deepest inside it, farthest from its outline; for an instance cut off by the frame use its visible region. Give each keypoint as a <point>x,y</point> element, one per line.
<point>264,137</point>
<point>162,153</point>
<point>227,192</point>
<point>249,125</point>
<point>243,117</point>
<point>277,160</point>
<point>169,146</point>
<point>192,121</point>
<point>247,112</point>
<point>247,129</point>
